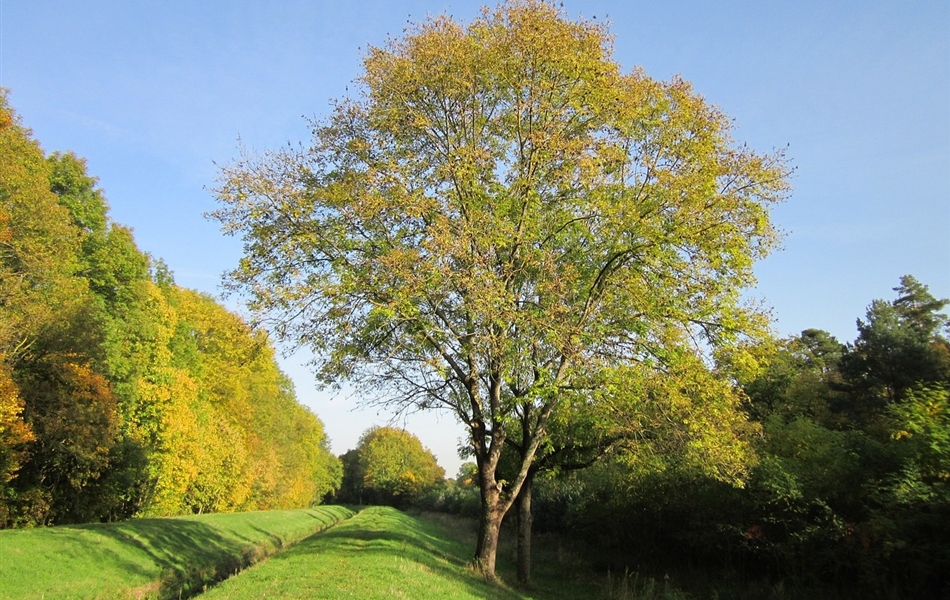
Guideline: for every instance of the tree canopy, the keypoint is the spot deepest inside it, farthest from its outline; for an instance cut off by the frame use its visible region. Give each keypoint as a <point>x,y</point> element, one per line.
<point>500,216</point>
<point>389,466</point>
<point>848,491</point>
<point>122,393</point>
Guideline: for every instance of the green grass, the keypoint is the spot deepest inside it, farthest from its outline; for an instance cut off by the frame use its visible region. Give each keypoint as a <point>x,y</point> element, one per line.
<point>384,553</point>
<point>148,558</point>
<point>378,553</point>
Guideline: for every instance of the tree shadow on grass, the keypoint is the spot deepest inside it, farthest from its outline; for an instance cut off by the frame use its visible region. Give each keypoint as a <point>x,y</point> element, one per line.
<point>386,536</point>
<point>185,556</point>
<point>180,557</point>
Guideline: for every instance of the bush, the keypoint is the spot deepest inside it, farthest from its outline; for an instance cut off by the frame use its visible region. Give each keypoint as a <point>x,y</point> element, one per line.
<point>451,499</point>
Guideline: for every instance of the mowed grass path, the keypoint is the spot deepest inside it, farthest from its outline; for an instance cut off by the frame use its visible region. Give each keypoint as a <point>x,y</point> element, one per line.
<point>380,553</point>
<point>148,558</point>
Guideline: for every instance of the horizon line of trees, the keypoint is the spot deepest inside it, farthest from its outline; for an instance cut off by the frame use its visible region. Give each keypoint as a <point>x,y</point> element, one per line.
<point>850,484</point>
<point>121,393</point>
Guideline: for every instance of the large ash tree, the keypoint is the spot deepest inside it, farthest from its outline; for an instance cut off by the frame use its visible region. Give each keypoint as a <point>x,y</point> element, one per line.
<point>496,223</point>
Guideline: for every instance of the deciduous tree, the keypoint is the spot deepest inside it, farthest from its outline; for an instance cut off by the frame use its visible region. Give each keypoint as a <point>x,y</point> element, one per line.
<point>499,216</point>
<point>15,433</point>
<point>38,243</point>
<point>390,466</point>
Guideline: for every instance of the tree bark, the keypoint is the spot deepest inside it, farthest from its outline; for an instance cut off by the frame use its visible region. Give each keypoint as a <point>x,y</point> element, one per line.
<point>489,531</point>
<point>524,531</point>
<point>480,540</point>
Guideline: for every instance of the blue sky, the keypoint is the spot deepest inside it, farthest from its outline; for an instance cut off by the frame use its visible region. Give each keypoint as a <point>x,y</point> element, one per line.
<point>154,94</point>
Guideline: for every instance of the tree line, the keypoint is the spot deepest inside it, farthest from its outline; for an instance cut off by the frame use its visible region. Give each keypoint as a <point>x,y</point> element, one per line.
<point>846,487</point>
<point>849,487</point>
<point>121,393</point>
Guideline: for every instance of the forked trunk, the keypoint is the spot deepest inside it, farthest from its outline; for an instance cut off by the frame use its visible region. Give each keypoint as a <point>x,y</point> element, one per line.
<point>498,496</point>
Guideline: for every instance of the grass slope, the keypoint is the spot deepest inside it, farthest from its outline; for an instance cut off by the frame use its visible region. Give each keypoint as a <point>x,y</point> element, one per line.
<point>148,558</point>
<point>380,553</point>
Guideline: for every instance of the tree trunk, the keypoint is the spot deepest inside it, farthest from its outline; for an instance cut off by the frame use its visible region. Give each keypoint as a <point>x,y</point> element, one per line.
<point>479,541</point>
<point>489,531</point>
<point>499,496</point>
<point>495,503</point>
<point>524,531</point>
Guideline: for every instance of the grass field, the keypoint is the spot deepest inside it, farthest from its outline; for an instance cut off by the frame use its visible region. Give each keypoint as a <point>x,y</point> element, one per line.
<point>382,553</point>
<point>147,558</point>
<point>378,553</point>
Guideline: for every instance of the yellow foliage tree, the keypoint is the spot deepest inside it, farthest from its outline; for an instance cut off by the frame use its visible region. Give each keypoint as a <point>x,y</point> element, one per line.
<point>500,216</point>
<point>14,435</point>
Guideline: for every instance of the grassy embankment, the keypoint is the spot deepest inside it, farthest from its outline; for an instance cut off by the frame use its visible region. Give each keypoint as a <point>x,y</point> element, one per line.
<point>379,553</point>
<point>383,553</point>
<point>148,558</point>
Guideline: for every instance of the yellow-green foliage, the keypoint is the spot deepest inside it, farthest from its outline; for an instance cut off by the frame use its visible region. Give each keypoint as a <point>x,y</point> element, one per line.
<point>498,217</point>
<point>392,467</point>
<point>37,242</point>
<point>233,435</point>
<point>121,393</point>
